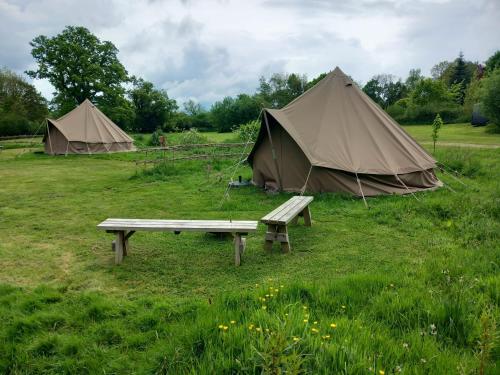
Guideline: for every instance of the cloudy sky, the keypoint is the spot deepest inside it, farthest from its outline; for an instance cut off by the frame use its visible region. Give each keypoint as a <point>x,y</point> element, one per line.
<point>205,50</point>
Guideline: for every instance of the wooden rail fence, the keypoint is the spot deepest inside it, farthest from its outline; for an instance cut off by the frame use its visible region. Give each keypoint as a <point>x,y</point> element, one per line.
<point>191,152</point>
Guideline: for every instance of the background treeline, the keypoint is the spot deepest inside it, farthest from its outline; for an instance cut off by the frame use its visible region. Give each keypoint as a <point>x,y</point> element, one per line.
<point>80,66</point>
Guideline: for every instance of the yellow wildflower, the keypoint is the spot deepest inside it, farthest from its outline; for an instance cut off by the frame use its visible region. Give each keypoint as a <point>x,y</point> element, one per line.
<point>267,329</point>
<point>333,325</point>
<point>304,307</point>
<point>314,330</point>
<point>282,286</point>
<point>315,322</point>
<point>295,339</point>
<point>306,320</point>
<point>326,337</point>
<point>276,290</point>
<point>250,327</point>
<point>233,321</point>
<point>258,329</point>
<point>343,306</point>
<point>381,372</point>
<point>264,307</point>
<point>221,326</point>
<point>225,328</point>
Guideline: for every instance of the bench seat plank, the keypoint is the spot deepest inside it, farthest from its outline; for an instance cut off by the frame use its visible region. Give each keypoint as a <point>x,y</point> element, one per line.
<point>228,226</point>
<point>287,211</point>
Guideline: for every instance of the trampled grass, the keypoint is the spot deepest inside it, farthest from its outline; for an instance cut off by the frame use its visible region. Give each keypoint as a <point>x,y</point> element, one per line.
<point>410,286</point>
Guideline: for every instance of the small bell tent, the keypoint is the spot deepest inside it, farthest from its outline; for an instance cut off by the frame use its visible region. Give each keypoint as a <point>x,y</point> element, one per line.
<point>85,130</point>
<point>334,138</point>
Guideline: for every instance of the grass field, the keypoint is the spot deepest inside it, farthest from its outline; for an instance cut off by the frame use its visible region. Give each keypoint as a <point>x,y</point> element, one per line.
<point>407,286</point>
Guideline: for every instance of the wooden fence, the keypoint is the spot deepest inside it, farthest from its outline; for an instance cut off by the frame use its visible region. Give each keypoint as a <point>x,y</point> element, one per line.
<point>155,155</point>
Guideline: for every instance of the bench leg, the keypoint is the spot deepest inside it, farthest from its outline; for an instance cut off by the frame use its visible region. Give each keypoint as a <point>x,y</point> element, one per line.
<point>268,243</point>
<point>239,248</point>
<point>119,245</point>
<point>307,216</point>
<point>285,243</point>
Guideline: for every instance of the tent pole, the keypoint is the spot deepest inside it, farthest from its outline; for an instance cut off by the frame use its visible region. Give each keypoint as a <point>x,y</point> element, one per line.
<point>48,135</point>
<point>406,187</point>
<point>273,151</point>
<point>361,190</point>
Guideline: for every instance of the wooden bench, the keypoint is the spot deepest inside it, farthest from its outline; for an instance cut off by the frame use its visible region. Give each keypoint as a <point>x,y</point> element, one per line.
<point>277,221</point>
<point>125,228</point>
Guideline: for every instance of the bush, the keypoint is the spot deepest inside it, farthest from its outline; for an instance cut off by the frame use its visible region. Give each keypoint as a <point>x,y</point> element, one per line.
<point>191,137</point>
<point>248,132</point>
<point>155,138</point>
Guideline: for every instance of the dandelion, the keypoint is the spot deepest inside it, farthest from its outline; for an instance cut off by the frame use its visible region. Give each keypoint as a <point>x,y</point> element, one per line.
<point>225,328</point>
<point>233,321</point>
<point>267,295</point>
<point>286,314</point>
<point>256,285</point>
<point>221,326</point>
<point>267,330</point>
<point>305,320</point>
<point>282,286</point>
<point>258,329</point>
<point>295,338</point>
<point>314,330</point>
<point>381,372</point>
<point>315,322</point>
<point>276,290</point>
<point>343,306</point>
<point>264,307</point>
<point>271,295</point>
<point>250,327</point>
<point>325,337</point>
<point>333,325</point>
<point>304,307</point>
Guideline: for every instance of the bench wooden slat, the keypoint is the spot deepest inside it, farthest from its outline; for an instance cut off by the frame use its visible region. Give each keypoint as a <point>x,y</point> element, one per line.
<point>179,225</point>
<point>287,211</point>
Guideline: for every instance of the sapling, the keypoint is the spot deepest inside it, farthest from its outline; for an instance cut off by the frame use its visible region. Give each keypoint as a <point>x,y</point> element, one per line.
<point>436,125</point>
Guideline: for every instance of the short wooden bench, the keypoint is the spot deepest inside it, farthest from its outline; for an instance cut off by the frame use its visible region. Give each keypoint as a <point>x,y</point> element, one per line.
<point>277,221</point>
<point>125,228</point>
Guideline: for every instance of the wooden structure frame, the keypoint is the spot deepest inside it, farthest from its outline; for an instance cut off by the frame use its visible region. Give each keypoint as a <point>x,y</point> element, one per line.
<point>125,228</point>
<point>277,221</point>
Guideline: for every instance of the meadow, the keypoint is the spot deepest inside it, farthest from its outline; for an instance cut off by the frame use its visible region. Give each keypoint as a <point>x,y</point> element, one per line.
<point>410,285</point>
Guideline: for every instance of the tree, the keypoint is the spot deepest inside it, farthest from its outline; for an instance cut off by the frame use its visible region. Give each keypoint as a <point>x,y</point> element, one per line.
<point>79,66</point>
<point>414,76</point>
<point>493,62</point>
<point>152,106</point>
<point>22,108</point>
<point>385,90</point>
<point>231,112</point>
<point>436,125</point>
<point>281,89</point>
<point>315,81</point>
<point>439,70</point>
<point>192,108</point>
<point>490,97</point>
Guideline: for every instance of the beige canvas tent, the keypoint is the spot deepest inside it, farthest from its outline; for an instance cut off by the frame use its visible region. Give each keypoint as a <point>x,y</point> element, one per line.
<point>334,138</point>
<point>85,130</point>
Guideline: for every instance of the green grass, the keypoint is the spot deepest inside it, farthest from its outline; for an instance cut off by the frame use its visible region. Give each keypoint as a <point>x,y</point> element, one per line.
<point>410,285</point>
<point>456,133</point>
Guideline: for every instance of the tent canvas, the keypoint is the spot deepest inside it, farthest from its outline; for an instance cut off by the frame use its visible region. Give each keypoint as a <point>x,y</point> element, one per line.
<point>85,130</point>
<point>334,138</point>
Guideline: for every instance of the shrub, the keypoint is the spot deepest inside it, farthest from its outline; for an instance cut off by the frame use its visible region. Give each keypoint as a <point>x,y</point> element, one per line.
<point>192,137</point>
<point>155,138</point>
<point>248,132</point>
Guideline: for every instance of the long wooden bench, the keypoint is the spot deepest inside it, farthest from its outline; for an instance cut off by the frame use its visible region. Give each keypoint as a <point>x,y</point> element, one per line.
<point>277,221</point>
<point>125,228</point>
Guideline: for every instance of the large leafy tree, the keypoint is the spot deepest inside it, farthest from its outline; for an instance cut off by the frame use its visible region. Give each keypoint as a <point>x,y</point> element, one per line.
<point>80,66</point>
<point>281,89</point>
<point>493,62</point>
<point>153,108</point>
<point>22,108</point>
<point>490,97</point>
<point>231,112</point>
<point>384,89</point>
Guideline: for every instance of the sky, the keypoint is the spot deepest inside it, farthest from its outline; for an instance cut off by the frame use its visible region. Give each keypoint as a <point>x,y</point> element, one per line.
<point>205,50</point>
